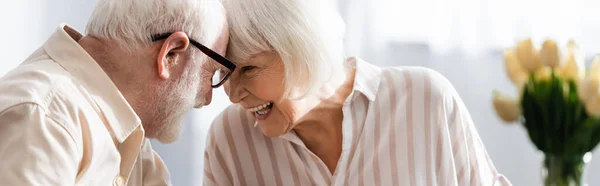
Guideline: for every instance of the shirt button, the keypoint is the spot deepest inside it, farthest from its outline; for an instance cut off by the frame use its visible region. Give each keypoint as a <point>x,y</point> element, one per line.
<point>119,181</point>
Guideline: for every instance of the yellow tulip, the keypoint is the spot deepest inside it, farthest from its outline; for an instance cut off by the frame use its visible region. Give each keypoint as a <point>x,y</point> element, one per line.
<point>528,56</point>
<point>595,67</point>
<point>589,88</point>
<point>572,44</point>
<point>508,109</point>
<point>514,70</point>
<point>543,73</point>
<point>574,67</point>
<point>592,106</point>
<point>550,54</point>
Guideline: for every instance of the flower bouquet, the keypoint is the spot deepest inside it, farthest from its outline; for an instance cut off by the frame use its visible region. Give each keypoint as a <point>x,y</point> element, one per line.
<point>558,103</point>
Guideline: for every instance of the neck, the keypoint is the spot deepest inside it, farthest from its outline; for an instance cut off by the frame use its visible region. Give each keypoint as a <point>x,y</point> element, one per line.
<point>119,67</point>
<point>98,50</point>
<point>321,128</point>
<point>325,108</point>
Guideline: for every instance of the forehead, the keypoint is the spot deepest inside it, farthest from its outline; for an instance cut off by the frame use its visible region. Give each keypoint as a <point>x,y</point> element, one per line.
<point>259,57</point>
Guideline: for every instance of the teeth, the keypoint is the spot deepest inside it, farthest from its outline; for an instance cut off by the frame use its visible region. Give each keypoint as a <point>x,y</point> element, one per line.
<point>260,107</point>
<point>262,112</point>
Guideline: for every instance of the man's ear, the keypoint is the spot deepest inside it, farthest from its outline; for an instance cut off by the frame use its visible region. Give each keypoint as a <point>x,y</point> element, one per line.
<point>175,45</point>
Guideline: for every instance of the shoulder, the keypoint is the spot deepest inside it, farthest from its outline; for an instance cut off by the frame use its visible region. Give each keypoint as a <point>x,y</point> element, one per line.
<point>33,82</point>
<point>425,92</point>
<point>416,80</point>
<point>41,82</point>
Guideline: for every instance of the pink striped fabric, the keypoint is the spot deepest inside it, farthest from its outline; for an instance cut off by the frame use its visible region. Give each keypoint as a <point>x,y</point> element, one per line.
<point>403,126</point>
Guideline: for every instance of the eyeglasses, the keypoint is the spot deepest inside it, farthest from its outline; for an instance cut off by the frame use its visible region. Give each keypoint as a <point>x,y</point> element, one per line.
<point>221,75</point>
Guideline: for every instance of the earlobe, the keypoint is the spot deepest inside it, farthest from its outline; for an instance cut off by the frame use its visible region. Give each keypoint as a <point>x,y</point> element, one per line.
<point>163,71</point>
<point>162,63</point>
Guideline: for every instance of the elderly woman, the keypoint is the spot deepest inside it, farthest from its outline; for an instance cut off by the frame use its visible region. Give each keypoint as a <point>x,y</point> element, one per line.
<point>305,116</point>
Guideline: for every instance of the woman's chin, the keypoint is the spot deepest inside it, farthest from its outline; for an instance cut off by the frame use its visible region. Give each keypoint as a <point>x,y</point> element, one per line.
<point>272,130</point>
<point>271,133</point>
<point>268,133</point>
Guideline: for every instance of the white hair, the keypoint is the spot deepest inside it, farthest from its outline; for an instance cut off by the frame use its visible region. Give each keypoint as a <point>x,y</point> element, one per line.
<point>135,21</point>
<point>307,34</point>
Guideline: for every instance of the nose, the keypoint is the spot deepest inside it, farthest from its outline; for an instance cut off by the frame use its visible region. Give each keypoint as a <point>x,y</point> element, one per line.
<point>204,96</point>
<point>235,91</point>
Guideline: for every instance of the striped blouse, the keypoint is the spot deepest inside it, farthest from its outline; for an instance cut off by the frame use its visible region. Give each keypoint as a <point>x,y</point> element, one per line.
<point>402,126</point>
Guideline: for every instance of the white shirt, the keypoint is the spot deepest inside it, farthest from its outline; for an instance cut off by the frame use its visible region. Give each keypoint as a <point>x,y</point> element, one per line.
<point>401,126</point>
<point>63,122</point>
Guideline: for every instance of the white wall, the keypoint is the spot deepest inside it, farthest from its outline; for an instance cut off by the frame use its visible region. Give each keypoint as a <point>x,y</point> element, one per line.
<point>26,24</point>
<point>21,22</point>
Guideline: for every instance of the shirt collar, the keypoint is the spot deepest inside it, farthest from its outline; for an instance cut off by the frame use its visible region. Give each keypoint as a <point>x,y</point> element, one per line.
<point>63,48</point>
<point>367,77</point>
<point>366,81</point>
<point>293,137</point>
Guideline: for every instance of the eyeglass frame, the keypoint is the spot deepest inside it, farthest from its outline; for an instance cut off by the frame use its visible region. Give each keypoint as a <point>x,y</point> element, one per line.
<point>210,53</point>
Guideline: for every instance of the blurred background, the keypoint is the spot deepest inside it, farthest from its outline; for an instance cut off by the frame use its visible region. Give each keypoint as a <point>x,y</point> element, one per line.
<point>462,39</point>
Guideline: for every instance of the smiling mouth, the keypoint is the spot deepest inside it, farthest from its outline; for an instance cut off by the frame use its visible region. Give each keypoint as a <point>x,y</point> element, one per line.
<point>262,111</point>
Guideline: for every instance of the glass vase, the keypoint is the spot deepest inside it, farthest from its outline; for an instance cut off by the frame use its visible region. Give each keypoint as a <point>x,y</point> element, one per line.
<point>565,169</point>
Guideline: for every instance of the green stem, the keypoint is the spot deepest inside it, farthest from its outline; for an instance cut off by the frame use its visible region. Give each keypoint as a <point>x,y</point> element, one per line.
<point>564,170</point>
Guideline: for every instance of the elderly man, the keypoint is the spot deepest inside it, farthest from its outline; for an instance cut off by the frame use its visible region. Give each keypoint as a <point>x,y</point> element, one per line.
<point>79,110</point>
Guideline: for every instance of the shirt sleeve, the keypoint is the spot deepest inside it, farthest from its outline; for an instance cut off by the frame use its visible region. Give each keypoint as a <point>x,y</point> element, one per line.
<point>472,164</point>
<point>36,149</point>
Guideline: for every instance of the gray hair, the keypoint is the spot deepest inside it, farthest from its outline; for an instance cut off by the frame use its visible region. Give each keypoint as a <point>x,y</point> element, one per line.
<point>135,21</point>
<point>307,34</point>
